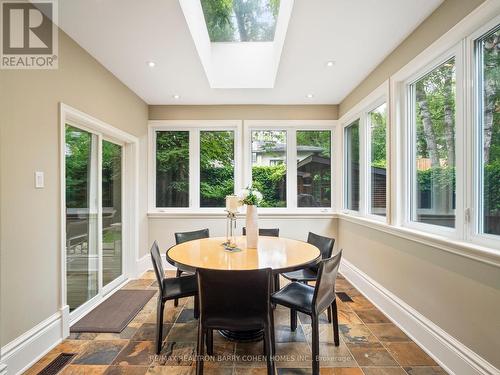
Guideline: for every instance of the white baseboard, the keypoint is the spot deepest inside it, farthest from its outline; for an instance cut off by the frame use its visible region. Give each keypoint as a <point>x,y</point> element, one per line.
<point>451,354</point>
<point>23,352</point>
<point>144,264</point>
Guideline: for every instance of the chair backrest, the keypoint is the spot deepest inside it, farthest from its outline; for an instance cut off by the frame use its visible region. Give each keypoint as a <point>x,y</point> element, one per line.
<point>181,237</point>
<point>324,244</point>
<point>157,265</point>
<point>271,232</point>
<point>324,290</point>
<point>231,296</point>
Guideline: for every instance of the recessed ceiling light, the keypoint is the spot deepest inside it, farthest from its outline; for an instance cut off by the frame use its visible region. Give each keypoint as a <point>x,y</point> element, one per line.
<point>310,96</point>
<point>151,64</point>
<point>330,63</point>
<point>176,96</point>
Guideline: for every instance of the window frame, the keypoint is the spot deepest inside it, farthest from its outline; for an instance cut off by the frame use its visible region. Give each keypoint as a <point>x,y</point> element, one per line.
<point>351,122</point>
<point>408,152</point>
<point>291,127</point>
<point>474,165</point>
<point>368,191</point>
<point>372,101</point>
<point>194,127</point>
<point>130,195</point>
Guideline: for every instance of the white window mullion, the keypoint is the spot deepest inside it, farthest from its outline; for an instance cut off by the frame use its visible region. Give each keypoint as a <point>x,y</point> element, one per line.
<point>291,170</point>
<point>152,170</point>
<point>363,154</point>
<point>194,168</point>
<point>411,174</point>
<point>337,170</point>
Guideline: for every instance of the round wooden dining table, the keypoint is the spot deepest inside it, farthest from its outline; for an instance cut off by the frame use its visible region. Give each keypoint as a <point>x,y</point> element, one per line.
<point>278,253</point>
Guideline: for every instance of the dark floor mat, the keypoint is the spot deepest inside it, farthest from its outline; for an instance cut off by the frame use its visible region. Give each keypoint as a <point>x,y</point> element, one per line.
<point>113,315</point>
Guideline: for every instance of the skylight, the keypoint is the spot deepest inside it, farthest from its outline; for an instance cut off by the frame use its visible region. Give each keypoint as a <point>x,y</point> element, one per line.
<point>233,56</point>
<point>241,20</point>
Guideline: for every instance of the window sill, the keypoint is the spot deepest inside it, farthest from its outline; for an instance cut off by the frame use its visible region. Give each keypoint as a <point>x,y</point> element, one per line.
<point>466,249</point>
<point>278,214</point>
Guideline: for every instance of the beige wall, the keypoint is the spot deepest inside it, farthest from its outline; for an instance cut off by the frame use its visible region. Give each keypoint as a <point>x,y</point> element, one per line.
<point>243,112</point>
<point>29,142</point>
<point>460,295</point>
<point>447,15</point>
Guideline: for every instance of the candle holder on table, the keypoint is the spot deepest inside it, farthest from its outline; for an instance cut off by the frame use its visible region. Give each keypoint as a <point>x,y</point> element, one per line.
<point>232,204</point>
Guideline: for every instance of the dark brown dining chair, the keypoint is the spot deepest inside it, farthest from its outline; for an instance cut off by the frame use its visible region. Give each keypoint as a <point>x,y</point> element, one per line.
<point>270,232</point>
<point>181,237</point>
<point>235,301</point>
<point>170,288</point>
<point>313,301</point>
<point>305,275</point>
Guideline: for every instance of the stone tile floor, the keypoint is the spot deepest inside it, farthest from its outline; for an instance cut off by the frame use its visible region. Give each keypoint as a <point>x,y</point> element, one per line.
<point>370,344</point>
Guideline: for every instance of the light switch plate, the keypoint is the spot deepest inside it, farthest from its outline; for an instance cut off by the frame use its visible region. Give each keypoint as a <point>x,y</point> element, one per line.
<point>39,180</point>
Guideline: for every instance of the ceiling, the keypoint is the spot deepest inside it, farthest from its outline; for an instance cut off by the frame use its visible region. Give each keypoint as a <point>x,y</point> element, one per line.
<point>357,35</point>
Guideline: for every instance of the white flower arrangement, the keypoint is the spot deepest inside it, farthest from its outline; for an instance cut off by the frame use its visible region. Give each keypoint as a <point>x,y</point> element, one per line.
<point>250,196</point>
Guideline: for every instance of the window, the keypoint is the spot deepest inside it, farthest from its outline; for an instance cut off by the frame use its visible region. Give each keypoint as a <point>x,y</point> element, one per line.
<point>351,158</point>
<point>241,20</point>
<point>172,168</point>
<point>269,176</point>
<point>377,121</point>
<point>194,164</point>
<point>488,92</point>
<point>433,144</point>
<point>216,167</point>
<point>314,168</point>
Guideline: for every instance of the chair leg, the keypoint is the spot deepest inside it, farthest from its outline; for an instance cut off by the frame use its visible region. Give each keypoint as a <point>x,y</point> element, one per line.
<point>293,320</point>
<point>159,325</point>
<point>329,313</point>
<point>275,286</point>
<point>335,323</point>
<point>268,348</point>
<point>199,350</point>
<point>177,274</point>
<point>210,341</point>
<point>196,312</point>
<point>273,338</point>
<point>315,344</point>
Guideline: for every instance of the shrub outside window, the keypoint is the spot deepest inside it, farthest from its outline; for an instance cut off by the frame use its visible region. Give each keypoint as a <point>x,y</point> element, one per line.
<point>377,120</point>
<point>314,168</point>
<point>269,168</point>
<point>172,168</point>
<point>216,167</point>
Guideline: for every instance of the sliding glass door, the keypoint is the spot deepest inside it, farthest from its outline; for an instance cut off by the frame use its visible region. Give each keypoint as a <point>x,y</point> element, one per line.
<point>94,256</point>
